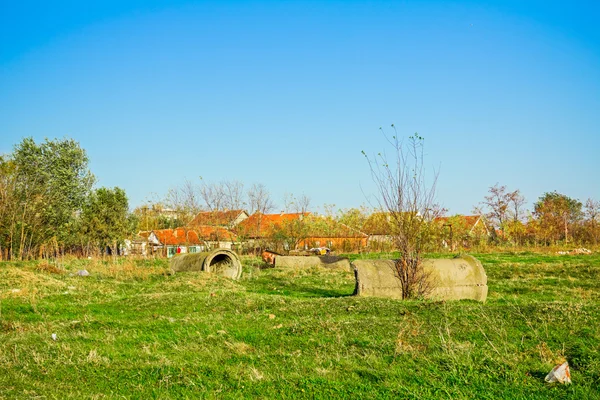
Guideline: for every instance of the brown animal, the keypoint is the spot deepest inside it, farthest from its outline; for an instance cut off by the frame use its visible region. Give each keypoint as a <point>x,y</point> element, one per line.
<point>269,257</point>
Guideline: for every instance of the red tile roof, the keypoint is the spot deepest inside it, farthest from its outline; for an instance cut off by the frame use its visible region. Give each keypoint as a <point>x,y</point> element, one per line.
<point>263,225</point>
<point>260,225</point>
<point>214,233</point>
<point>196,236</point>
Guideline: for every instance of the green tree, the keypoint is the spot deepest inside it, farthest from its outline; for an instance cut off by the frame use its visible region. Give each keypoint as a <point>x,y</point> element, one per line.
<point>8,206</point>
<point>106,220</point>
<point>51,183</point>
<point>290,232</point>
<point>355,218</point>
<point>556,214</point>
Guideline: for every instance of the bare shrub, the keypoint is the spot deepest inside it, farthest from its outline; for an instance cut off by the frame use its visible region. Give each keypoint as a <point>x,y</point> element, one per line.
<point>408,202</point>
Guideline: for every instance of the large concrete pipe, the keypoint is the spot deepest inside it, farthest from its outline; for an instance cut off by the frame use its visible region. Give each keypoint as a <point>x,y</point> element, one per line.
<point>222,262</point>
<point>331,262</point>
<point>449,279</point>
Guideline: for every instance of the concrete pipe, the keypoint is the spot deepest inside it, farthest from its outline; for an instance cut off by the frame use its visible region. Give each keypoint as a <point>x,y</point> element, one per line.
<point>222,262</point>
<point>300,262</point>
<point>450,279</point>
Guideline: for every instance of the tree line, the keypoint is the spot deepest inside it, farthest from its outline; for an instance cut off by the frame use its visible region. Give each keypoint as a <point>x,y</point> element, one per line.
<point>555,219</point>
<point>49,206</point>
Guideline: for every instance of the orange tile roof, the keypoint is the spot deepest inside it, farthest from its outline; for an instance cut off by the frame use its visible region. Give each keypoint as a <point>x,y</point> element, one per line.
<point>176,236</point>
<point>260,225</point>
<point>215,218</point>
<point>213,233</point>
<point>197,236</point>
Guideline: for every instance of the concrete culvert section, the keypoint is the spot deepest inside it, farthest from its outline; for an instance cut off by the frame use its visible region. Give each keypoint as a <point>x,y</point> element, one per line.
<point>223,262</point>
<point>450,279</point>
<point>300,262</point>
<point>457,278</point>
<point>220,262</point>
<point>188,262</point>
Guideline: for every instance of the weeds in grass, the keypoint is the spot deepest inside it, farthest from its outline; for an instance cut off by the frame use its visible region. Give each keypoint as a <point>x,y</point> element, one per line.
<point>409,331</point>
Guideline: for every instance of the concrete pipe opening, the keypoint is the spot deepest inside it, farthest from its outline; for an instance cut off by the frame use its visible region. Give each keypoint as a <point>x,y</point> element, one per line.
<point>220,262</point>
<point>223,262</point>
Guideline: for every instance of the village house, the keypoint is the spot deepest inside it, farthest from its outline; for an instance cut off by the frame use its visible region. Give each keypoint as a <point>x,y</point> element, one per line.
<point>190,240</point>
<point>292,231</point>
<point>463,230</point>
<point>138,245</point>
<point>261,231</point>
<point>326,232</point>
<point>378,228</point>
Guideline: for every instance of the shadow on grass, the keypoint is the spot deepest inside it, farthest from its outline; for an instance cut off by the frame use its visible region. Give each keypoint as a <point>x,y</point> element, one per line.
<point>539,375</point>
<point>283,287</point>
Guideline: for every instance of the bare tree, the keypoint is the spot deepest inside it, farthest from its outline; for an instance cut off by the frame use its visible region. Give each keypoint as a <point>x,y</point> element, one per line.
<point>191,197</point>
<point>592,215</point>
<point>437,211</point>
<point>233,195</point>
<point>295,204</point>
<point>259,199</point>
<point>515,229</point>
<point>224,195</point>
<point>185,201</point>
<point>497,202</point>
<point>516,202</point>
<point>408,199</point>
<point>213,196</point>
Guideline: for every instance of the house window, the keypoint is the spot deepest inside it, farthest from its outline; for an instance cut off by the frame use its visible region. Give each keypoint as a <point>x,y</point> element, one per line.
<point>171,251</point>
<point>193,249</point>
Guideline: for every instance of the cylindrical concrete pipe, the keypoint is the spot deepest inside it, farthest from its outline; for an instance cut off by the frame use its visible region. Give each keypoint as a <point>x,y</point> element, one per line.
<point>222,262</point>
<point>330,262</point>
<point>450,279</point>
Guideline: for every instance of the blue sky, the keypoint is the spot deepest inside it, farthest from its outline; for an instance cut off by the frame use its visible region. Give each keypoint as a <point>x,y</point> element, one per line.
<point>289,93</point>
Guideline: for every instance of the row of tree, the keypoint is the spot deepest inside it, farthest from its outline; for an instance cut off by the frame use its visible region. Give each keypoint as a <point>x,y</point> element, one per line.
<point>555,218</point>
<point>181,204</point>
<point>49,206</point>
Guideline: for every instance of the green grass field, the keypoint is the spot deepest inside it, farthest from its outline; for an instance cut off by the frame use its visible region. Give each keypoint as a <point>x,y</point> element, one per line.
<point>131,331</point>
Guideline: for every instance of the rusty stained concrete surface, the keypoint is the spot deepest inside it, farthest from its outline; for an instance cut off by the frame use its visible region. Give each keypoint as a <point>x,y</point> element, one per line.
<point>331,262</point>
<point>452,279</point>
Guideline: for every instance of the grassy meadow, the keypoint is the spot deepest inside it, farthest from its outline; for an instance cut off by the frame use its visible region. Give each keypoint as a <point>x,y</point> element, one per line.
<point>130,330</point>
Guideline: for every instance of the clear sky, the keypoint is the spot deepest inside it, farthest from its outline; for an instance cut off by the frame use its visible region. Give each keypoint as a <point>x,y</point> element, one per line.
<point>288,93</point>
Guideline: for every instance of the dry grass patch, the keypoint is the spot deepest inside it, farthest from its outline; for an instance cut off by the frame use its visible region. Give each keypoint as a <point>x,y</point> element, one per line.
<point>125,270</point>
<point>409,332</point>
<point>239,348</point>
